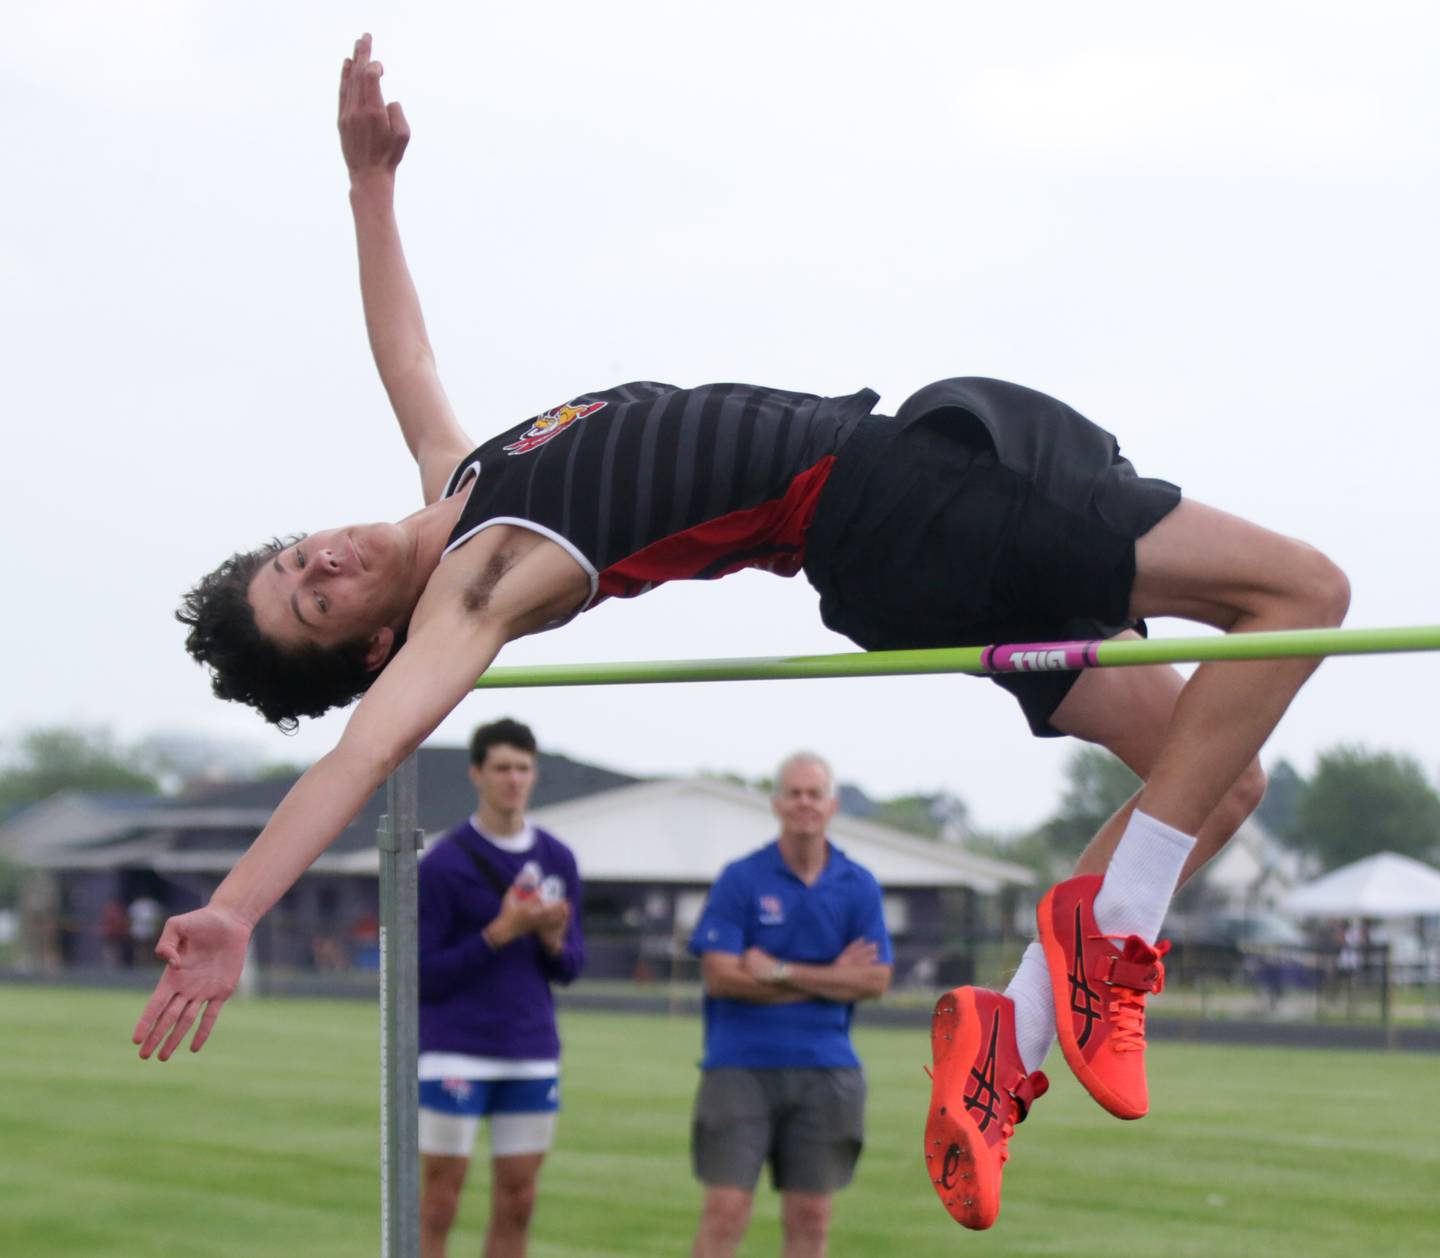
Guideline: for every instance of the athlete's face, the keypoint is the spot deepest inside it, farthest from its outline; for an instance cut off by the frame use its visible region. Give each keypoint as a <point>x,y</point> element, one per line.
<point>505,779</point>
<point>332,588</point>
<point>805,800</point>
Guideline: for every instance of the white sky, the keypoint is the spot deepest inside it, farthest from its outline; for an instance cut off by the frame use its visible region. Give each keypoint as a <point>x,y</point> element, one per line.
<point>1210,228</point>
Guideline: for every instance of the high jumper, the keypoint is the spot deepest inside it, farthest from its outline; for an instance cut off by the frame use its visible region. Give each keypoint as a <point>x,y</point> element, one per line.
<point>981,512</point>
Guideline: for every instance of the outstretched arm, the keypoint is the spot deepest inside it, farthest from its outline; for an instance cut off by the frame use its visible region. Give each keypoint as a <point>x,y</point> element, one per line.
<point>451,643</point>
<point>205,950</point>
<point>373,136</point>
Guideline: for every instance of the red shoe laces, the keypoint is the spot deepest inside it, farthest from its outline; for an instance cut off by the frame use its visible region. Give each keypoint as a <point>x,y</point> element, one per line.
<point>1127,1005</point>
<point>1127,1017</point>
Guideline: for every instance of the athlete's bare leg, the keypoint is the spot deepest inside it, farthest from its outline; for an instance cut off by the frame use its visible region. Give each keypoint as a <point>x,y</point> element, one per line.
<point>1127,711</point>
<point>1204,565</point>
<point>1195,744</point>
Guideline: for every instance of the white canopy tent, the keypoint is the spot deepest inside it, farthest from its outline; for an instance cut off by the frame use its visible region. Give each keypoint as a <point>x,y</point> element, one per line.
<point>1383,885</point>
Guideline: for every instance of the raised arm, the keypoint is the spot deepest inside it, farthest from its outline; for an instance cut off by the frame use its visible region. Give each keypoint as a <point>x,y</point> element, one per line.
<point>373,137</point>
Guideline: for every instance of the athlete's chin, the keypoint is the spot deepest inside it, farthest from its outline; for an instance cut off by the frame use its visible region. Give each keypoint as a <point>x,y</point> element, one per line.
<point>377,548</point>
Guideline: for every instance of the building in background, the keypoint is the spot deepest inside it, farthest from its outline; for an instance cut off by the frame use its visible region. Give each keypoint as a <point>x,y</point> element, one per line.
<point>648,850</point>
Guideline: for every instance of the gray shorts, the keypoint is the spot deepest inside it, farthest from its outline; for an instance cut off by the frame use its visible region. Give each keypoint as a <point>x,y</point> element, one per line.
<point>808,1123</point>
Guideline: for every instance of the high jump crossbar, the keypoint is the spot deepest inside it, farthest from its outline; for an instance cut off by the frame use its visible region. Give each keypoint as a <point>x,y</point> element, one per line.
<point>1017,658</point>
<point>400,835</point>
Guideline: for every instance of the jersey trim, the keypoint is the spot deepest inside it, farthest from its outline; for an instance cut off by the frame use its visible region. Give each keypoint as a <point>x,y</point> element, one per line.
<point>459,476</point>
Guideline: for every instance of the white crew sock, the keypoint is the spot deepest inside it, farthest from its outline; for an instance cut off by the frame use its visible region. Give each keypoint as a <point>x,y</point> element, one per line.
<point>1141,878</point>
<point>1034,1007</point>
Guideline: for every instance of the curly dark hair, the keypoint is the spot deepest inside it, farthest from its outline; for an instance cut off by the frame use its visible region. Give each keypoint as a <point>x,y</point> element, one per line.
<point>244,665</point>
<point>506,730</point>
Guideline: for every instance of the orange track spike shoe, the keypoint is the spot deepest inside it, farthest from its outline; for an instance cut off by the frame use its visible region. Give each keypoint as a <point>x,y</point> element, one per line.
<point>1099,983</point>
<point>979,1091</point>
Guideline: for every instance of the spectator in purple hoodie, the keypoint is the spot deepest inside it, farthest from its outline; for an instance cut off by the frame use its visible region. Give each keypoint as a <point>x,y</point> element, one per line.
<point>499,922</point>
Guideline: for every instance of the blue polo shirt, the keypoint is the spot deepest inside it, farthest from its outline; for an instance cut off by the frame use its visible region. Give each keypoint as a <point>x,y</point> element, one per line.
<point>758,902</point>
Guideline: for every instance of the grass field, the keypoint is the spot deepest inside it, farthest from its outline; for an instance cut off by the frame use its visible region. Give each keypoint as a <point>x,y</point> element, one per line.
<point>267,1144</point>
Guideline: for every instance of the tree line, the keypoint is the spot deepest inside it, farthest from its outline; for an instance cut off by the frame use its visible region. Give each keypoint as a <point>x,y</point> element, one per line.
<point>1357,801</point>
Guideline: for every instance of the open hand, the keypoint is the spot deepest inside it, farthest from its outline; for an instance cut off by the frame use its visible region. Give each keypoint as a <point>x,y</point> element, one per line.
<point>204,952</point>
<point>373,135</point>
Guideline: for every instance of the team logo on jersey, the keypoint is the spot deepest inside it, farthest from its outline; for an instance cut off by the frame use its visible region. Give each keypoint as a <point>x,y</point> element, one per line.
<point>772,910</point>
<point>550,425</point>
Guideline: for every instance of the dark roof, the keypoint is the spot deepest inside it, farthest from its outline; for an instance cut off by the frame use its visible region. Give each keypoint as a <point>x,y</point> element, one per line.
<point>257,793</point>
<point>446,797</point>
<point>854,801</point>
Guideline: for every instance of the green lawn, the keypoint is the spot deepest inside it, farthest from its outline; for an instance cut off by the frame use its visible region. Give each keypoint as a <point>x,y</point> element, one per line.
<point>267,1144</point>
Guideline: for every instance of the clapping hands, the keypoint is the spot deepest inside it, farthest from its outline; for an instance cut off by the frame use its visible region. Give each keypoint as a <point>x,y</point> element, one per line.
<point>522,914</point>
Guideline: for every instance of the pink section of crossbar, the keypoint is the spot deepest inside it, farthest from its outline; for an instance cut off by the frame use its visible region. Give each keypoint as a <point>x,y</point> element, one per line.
<point>1040,657</point>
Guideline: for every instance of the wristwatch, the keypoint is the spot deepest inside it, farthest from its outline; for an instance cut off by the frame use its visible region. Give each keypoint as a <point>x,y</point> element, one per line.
<point>779,974</point>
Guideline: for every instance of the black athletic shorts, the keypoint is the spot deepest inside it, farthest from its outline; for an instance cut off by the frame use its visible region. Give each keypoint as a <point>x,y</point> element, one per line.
<point>982,513</point>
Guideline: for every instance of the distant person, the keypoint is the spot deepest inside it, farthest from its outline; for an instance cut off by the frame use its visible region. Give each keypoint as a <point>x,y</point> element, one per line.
<point>363,939</point>
<point>327,953</point>
<point>146,914</point>
<point>790,938</point>
<point>982,512</point>
<point>499,923</point>
<point>115,935</point>
<point>40,902</point>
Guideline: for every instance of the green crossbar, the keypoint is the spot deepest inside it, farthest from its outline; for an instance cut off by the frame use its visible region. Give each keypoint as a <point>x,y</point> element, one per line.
<point>1289,644</point>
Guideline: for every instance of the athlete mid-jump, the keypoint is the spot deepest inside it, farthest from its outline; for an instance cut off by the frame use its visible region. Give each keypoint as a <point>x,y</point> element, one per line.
<point>982,512</point>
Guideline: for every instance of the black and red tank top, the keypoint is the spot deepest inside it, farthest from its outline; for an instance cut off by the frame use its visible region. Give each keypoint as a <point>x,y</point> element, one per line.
<point>646,483</point>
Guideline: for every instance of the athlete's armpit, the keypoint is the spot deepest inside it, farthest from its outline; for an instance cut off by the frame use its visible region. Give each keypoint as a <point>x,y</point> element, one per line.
<point>509,579</point>
<point>476,597</point>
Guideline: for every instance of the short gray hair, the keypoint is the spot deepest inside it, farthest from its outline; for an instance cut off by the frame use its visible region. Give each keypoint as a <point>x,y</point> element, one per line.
<point>805,757</point>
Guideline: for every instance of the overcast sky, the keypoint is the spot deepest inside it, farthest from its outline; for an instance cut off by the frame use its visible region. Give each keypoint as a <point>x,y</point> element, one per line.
<point>1210,228</point>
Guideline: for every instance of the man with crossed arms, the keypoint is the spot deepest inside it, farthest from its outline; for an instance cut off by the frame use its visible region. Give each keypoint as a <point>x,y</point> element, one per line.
<point>790,938</point>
